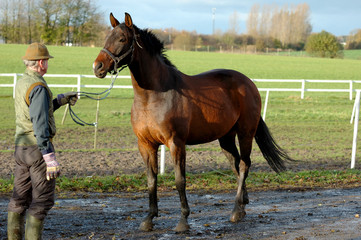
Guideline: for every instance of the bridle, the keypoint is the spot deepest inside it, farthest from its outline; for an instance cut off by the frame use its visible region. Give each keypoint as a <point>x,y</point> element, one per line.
<point>116,60</point>
<point>114,73</point>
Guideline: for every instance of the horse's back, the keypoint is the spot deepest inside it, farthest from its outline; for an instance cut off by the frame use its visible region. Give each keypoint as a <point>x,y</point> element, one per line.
<point>225,85</point>
<point>219,99</point>
<point>224,78</point>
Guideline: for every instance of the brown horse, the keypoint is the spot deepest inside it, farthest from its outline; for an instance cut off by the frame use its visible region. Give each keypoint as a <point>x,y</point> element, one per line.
<point>175,109</point>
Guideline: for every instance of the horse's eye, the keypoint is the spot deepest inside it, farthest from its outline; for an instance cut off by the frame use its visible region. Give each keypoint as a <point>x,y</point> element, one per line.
<point>122,40</point>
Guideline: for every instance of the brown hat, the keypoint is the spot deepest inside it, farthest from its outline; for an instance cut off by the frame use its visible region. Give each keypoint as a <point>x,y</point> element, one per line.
<point>36,51</point>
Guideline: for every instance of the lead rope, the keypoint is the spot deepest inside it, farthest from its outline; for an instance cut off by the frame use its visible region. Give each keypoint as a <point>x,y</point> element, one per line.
<point>91,95</point>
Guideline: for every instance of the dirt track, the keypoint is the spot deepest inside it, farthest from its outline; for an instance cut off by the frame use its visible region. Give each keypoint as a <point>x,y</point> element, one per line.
<point>325,214</point>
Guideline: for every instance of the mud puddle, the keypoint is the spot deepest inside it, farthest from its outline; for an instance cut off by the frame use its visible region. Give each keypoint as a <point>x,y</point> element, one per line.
<point>325,214</point>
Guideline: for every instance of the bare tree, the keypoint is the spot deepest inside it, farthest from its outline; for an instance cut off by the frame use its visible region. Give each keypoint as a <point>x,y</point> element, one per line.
<point>252,21</point>
<point>5,28</point>
<point>29,10</point>
<point>50,21</point>
<point>265,21</point>
<point>234,27</point>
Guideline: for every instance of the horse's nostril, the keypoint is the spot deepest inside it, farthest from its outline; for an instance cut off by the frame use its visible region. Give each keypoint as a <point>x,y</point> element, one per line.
<point>98,66</point>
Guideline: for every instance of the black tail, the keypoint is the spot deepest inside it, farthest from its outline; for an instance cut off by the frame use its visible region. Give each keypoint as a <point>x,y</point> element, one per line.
<point>273,153</point>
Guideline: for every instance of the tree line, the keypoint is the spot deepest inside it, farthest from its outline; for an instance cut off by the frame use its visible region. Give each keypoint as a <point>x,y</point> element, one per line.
<point>280,27</point>
<point>57,22</point>
<point>80,23</point>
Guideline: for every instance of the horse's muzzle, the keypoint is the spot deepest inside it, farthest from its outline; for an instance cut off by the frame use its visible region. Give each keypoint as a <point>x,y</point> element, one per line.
<point>98,68</point>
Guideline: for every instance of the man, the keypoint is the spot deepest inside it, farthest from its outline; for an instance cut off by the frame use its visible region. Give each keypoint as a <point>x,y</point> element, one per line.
<point>36,166</point>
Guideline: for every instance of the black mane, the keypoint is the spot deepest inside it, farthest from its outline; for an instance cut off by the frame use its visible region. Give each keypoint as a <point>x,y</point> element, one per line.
<point>153,45</point>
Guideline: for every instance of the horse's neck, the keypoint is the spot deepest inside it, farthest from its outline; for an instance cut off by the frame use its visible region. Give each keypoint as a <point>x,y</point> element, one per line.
<point>150,74</point>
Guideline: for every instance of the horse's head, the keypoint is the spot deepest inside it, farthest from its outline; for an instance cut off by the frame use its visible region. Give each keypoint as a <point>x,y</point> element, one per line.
<point>118,48</point>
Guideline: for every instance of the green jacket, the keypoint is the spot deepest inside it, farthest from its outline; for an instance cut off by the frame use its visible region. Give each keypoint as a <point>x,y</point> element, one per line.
<point>34,108</point>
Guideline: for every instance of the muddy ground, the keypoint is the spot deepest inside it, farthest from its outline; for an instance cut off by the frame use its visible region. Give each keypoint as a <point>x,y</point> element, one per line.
<point>324,214</point>
<point>283,214</point>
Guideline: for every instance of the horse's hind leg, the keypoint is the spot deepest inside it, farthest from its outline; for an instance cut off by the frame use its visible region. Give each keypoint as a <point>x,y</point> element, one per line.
<point>240,168</point>
<point>149,154</point>
<point>229,149</point>
<point>239,212</point>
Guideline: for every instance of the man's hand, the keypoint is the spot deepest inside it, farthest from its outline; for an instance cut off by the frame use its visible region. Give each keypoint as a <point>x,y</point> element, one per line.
<point>52,166</point>
<point>69,97</point>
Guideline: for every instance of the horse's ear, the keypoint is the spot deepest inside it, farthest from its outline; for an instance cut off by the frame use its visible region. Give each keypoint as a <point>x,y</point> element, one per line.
<point>128,21</point>
<point>113,20</point>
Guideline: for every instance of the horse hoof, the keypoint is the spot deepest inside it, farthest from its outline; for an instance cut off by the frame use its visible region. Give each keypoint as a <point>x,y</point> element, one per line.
<point>237,216</point>
<point>182,226</point>
<point>146,226</point>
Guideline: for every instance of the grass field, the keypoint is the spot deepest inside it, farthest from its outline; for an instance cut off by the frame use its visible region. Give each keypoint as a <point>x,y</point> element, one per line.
<point>315,129</point>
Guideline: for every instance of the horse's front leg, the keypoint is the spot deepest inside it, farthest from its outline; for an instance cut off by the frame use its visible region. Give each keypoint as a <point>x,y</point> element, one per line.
<point>179,156</point>
<point>149,154</point>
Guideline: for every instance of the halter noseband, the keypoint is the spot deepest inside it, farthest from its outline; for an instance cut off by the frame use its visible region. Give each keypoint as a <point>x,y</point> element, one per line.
<point>116,60</point>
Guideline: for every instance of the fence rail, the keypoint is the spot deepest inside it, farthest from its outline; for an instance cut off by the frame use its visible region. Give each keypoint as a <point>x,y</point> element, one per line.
<point>302,89</point>
<point>77,86</point>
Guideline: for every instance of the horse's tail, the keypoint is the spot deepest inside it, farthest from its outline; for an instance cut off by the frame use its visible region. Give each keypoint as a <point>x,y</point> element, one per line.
<point>273,153</point>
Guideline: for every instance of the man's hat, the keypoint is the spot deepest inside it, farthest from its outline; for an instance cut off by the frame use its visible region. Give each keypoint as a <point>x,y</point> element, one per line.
<point>36,51</point>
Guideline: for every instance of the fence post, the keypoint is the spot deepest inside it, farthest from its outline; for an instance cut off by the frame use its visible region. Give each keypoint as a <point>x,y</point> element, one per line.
<point>355,128</point>
<point>351,89</point>
<point>79,84</point>
<point>303,88</point>
<point>265,106</point>
<point>96,124</point>
<point>162,159</point>
<point>15,80</point>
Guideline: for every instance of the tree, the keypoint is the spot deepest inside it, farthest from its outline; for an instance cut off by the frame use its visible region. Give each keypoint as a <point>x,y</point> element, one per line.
<point>5,20</point>
<point>183,41</point>
<point>354,40</point>
<point>252,21</point>
<point>289,25</point>
<point>323,44</point>
<point>51,21</point>
<point>49,9</point>
<point>234,23</point>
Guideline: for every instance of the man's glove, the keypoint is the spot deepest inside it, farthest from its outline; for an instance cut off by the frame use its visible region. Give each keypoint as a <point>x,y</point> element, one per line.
<point>52,166</point>
<point>69,97</point>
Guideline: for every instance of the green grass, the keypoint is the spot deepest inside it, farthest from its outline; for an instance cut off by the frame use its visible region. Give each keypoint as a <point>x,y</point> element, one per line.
<point>213,180</point>
<point>353,54</point>
<point>268,67</point>
<point>79,60</point>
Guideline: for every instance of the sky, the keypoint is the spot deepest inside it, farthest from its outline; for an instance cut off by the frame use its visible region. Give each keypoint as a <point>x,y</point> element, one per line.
<point>339,17</point>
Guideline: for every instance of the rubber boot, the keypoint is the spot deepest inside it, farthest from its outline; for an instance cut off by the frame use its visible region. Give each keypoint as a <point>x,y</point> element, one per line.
<point>15,226</point>
<point>33,228</point>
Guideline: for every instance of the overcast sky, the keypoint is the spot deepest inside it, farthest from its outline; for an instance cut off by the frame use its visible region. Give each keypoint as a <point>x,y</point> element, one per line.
<point>339,17</point>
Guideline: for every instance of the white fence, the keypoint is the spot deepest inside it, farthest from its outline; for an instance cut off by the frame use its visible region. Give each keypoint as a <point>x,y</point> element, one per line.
<point>77,86</point>
<point>302,89</point>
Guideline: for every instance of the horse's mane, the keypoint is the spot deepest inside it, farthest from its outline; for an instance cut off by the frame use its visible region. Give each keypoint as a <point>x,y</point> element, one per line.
<point>153,45</point>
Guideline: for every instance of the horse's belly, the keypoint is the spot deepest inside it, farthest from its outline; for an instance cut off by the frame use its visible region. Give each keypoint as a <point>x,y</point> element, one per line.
<point>204,132</point>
